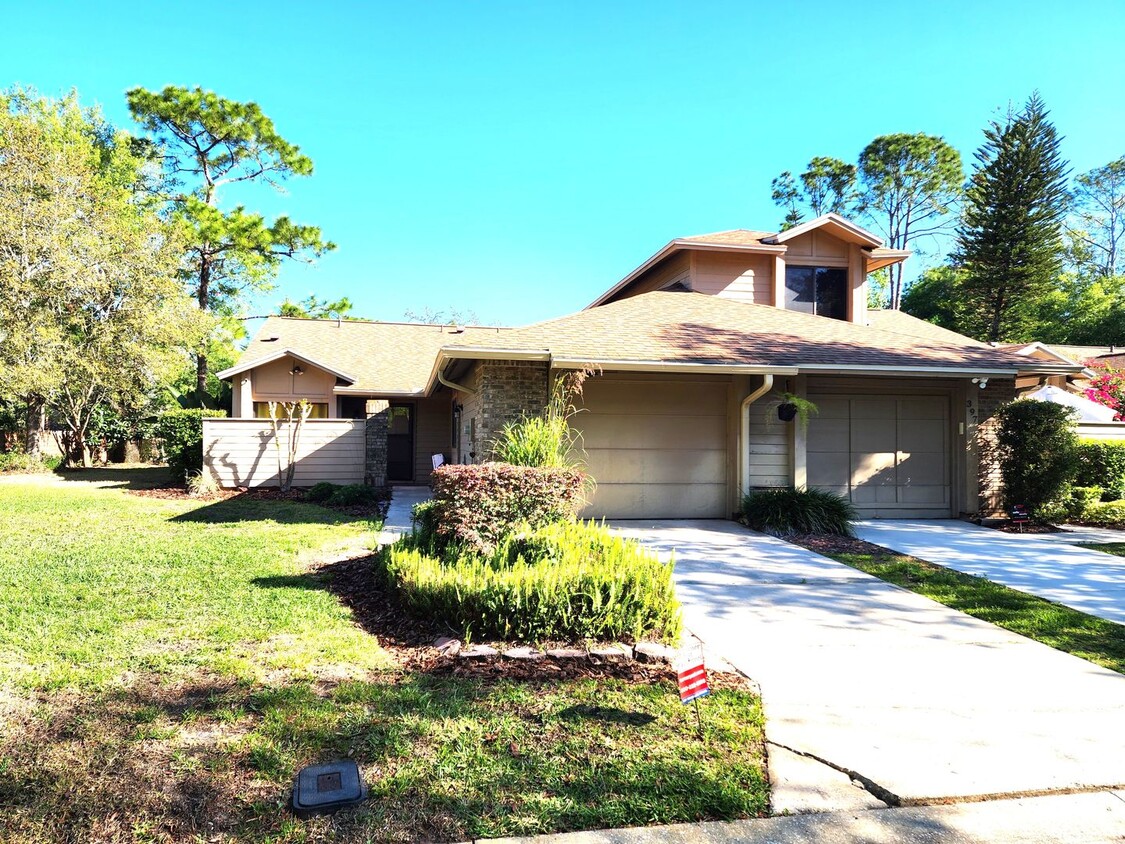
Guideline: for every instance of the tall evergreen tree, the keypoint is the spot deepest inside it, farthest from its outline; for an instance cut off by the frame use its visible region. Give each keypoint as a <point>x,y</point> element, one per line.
<point>1010,243</point>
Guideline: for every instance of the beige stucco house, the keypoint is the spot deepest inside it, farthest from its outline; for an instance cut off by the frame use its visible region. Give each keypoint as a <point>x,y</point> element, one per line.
<point>693,348</point>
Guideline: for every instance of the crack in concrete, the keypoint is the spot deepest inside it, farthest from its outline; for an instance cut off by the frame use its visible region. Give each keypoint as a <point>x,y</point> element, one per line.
<point>869,785</point>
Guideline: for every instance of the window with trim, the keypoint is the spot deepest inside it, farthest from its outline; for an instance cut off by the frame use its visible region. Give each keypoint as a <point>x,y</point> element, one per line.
<point>262,410</point>
<point>817,290</point>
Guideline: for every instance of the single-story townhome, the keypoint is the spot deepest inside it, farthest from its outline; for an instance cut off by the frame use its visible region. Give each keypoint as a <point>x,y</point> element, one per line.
<point>693,349</point>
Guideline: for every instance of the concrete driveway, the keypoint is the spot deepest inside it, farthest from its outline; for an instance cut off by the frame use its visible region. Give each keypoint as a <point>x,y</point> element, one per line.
<point>1047,565</point>
<point>918,701</point>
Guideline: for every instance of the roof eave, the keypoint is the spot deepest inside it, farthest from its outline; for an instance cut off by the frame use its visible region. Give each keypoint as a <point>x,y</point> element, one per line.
<point>243,366</point>
<point>858,232</point>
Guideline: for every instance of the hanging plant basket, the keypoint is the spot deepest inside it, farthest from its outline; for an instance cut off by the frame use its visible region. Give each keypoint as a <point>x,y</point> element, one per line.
<point>787,411</point>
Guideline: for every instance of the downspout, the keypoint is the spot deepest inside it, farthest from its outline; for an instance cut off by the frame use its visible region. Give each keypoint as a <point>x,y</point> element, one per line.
<point>744,432</point>
<point>460,388</point>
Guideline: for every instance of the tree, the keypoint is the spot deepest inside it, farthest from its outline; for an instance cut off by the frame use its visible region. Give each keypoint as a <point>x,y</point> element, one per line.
<point>90,306</point>
<point>1010,239</point>
<point>210,142</point>
<point>828,185</point>
<point>1099,216</point>
<point>934,298</point>
<point>314,308</point>
<point>910,184</point>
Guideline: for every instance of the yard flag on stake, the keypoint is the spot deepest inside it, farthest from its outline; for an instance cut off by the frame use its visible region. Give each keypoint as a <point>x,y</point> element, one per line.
<point>692,675</point>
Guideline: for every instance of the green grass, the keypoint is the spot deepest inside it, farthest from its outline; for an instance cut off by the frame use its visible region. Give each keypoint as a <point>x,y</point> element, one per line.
<point>97,584</point>
<point>165,669</point>
<point>1100,641</point>
<point>1116,548</point>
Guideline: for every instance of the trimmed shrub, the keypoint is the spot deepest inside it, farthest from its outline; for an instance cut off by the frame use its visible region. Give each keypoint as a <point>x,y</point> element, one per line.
<point>321,492</point>
<point>565,581</point>
<point>1100,463</point>
<point>353,495</point>
<point>1037,446</point>
<point>785,512</point>
<point>1111,514</point>
<point>182,433</point>
<point>18,461</point>
<point>424,518</point>
<point>1113,494</point>
<point>476,506</point>
<point>1081,500</point>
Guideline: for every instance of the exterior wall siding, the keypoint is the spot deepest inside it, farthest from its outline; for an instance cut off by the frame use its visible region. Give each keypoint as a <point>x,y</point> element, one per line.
<point>432,430</point>
<point>990,503</point>
<point>241,452</point>
<point>740,276</point>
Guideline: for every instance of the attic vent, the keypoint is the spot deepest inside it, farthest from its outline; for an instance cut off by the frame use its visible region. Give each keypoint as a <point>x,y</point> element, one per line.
<point>456,329</point>
<point>268,340</point>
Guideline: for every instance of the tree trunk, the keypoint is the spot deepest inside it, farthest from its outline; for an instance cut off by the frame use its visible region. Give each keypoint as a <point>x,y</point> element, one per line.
<point>35,422</point>
<point>204,301</point>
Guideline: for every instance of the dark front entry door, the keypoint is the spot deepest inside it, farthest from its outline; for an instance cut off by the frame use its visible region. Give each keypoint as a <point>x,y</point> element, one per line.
<point>400,443</point>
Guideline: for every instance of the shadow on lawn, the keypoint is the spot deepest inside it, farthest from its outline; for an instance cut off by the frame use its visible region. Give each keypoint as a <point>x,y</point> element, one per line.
<point>121,477</point>
<point>271,505</point>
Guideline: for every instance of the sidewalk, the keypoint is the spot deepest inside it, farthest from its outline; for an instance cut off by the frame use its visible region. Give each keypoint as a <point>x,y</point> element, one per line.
<point>398,521</point>
<point>1097,818</point>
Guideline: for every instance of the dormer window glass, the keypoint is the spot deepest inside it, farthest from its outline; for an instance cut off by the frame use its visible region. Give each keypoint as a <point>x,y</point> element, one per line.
<point>817,290</point>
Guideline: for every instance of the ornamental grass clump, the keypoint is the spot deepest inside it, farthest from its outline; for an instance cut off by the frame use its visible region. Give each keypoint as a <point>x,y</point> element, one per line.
<point>563,581</point>
<point>787,512</point>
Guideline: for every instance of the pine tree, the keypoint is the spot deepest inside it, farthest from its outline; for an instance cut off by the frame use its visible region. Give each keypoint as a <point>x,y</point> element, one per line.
<point>1010,242</point>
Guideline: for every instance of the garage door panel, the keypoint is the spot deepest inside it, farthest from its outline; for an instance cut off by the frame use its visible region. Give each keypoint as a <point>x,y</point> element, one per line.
<point>828,434</point>
<point>922,435</point>
<point>640,465</point>
<point>642,397</point>
<point>889,454</point>
<point>666,432</point>
<point>658,501</point>
<point>927,468</point>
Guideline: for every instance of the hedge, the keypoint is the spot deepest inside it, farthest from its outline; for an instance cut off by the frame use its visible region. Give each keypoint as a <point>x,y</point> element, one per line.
<point>1037,447</point>
<point>566,581</point>
<point>477,505</point>
<point>1101,463</point>
<point>182,433</point>
<point>785,512</point>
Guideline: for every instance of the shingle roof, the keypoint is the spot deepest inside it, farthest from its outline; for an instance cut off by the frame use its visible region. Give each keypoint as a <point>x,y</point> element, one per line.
<point>733,237</point>
<point>385,357</point>
<point>901,323</point>
<point>693,328</point>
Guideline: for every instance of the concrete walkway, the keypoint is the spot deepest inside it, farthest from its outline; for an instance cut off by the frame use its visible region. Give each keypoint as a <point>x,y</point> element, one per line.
<point>1047,565</point>
<point>398,521</point>
<point>914,700</point>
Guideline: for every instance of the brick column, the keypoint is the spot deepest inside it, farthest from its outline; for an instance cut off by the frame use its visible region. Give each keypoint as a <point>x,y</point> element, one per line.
<point>375,461</point>
<point>509,389</point>
<point>989,480</point>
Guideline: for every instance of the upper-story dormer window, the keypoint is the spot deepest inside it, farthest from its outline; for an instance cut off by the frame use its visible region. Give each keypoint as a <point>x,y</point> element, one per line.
<point>817,290</point>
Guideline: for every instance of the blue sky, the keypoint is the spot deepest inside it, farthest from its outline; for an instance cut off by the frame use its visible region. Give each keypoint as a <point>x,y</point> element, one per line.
<point>517,158</point>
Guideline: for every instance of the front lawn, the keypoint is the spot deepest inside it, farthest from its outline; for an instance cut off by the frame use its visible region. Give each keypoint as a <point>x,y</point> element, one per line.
<point>166,665</point>
<point>1087,636</point>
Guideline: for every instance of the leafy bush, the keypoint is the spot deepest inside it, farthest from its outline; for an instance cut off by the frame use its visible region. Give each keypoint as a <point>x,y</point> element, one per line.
<point>354,495</point>
<point>18,461</point>
<point>1100,463</point>
<point>424,517</point>
<point>182,433</point>
<point>1081,500</point>
<point>567,581</point>
<point>321,492</point>
<point>1111,514</point>
<point>201,484</point>
<point>785,512</point>
<point>1037,446</point>
<point>476,506</point>
<point>1113,494</point>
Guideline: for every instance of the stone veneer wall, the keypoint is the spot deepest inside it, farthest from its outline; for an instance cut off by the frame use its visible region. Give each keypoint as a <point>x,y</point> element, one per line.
<point>989,481</point>
<point>505,391</point>
<point>378,423</point>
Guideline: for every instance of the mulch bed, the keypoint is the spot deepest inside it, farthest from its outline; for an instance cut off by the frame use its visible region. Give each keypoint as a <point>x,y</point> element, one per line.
<point>410,640</point>
<point>826,543</point>
<point>378,510</point>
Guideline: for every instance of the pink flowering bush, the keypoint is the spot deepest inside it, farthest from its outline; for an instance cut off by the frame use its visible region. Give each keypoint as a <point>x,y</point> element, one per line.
<point>1108,388</point>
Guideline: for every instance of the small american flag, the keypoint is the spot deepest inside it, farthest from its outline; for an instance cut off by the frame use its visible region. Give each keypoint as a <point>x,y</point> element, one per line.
<point>692,676</point>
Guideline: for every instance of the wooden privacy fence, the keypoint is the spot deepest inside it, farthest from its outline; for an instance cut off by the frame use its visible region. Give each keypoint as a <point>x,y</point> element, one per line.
<point>241,452</point>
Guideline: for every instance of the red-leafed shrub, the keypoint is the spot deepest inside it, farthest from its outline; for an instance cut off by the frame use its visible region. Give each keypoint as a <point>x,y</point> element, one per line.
<point>476,506</point>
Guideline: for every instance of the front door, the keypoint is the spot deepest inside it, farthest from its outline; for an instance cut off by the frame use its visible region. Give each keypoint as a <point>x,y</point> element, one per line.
<point>400,443</point>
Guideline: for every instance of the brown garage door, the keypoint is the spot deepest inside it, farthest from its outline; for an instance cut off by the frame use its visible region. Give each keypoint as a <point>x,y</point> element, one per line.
<point>656,447</point>
<point>890,455</point>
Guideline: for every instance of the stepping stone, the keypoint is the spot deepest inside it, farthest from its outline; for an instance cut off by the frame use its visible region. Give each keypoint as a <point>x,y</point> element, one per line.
<point>479,652</point>
<point>613,653</point>
<point>653,652</point>
<point>526,654</point>
<point>447,646</point>
<point>566,653</point>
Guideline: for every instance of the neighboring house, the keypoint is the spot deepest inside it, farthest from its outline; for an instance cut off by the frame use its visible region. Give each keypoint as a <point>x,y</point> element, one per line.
<point>692,349</point>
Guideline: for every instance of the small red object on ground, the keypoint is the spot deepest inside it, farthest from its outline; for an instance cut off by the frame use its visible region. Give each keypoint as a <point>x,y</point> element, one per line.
<point>692,678</point>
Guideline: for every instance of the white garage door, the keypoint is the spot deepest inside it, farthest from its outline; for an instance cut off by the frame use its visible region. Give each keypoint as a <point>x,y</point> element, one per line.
<point>890,455</point>
<point>656,447</point>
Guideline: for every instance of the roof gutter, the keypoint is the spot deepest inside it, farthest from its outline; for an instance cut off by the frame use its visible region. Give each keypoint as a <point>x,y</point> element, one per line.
<point>669,366</point>
<point>942,371</point>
